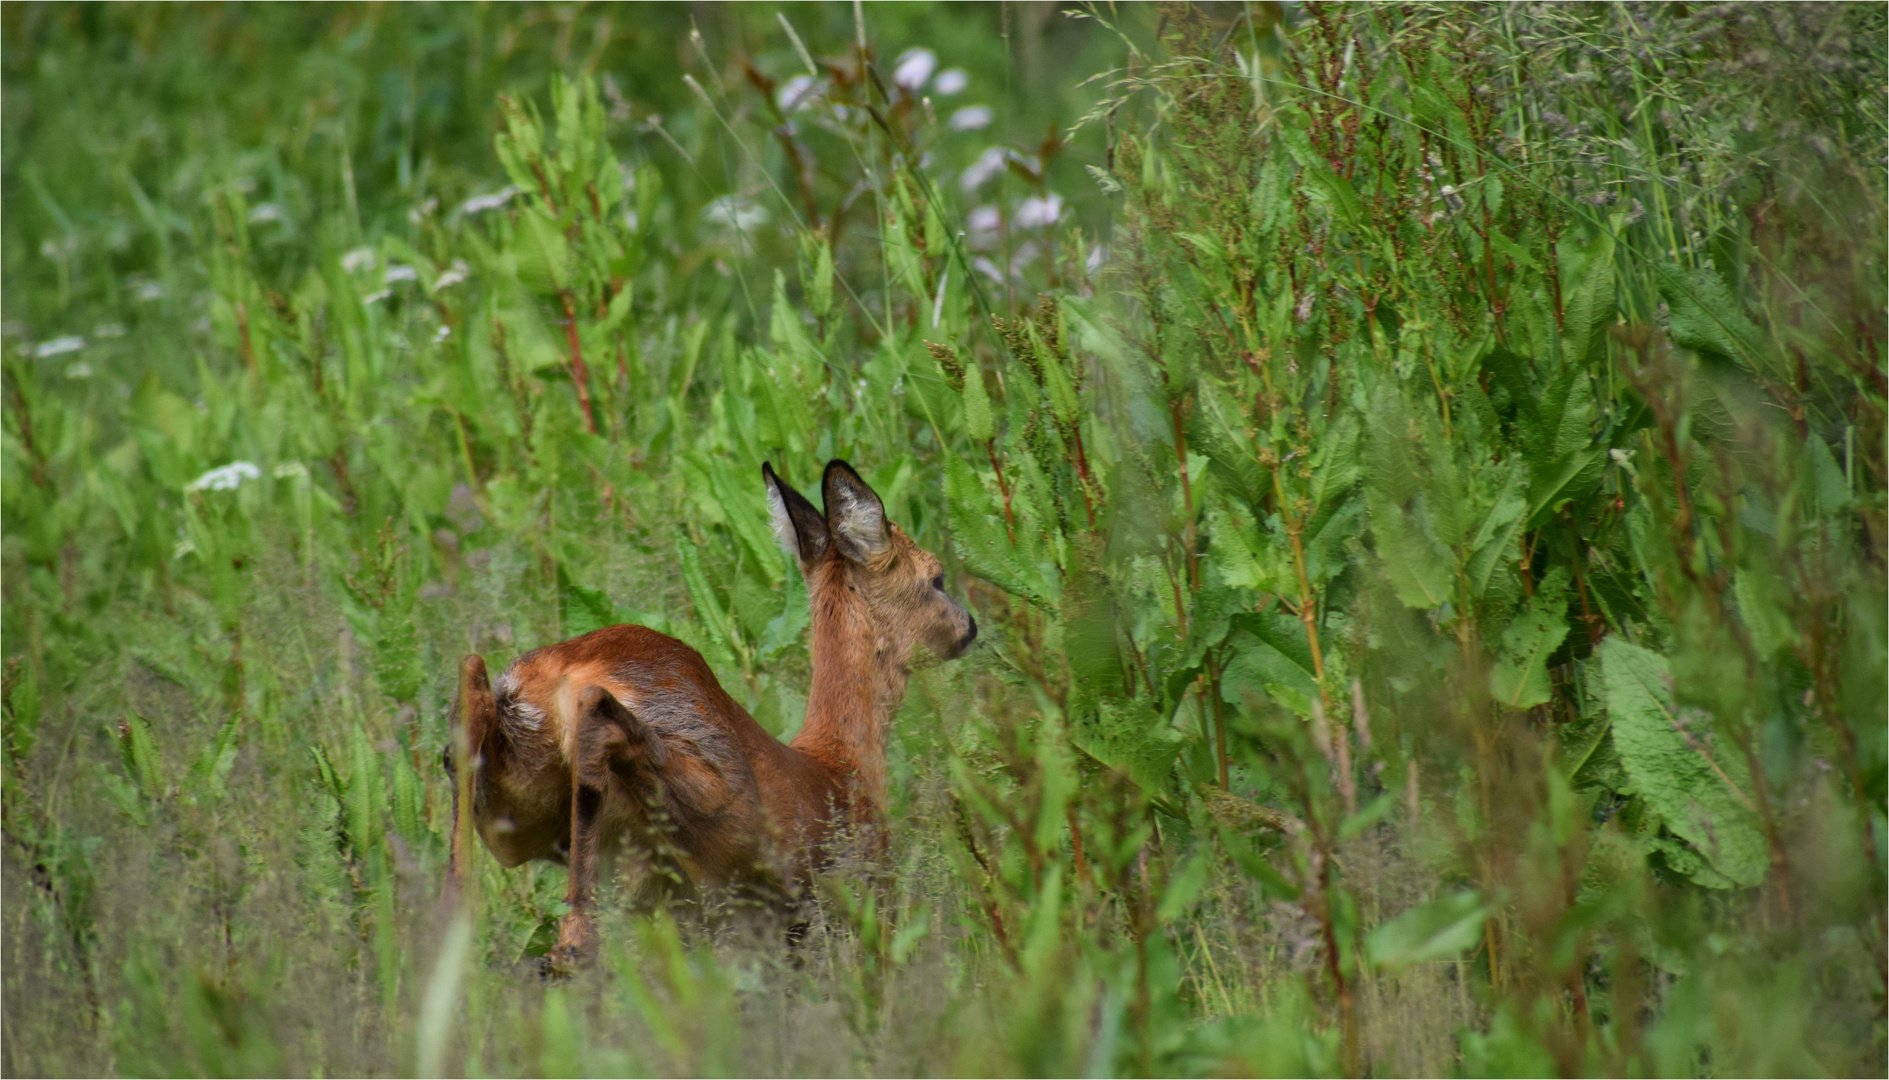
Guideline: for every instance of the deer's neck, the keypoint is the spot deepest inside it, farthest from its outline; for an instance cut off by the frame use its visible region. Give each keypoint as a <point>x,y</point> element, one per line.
<point>858,683</point>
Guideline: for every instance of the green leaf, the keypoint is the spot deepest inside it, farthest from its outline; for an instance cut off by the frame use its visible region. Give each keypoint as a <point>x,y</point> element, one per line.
<point>1706,317</point>
<point>978,424</point>
<point>1321,181</point>
<point>1438,930</point>
<point>585,608</point>
<point>1255,865</point>
<point>1589,299</point>
<point>1519,678</point>
<point>208,777</point>
<point>1273,656</point>
<point>1402,503</point>
<point>978,531</point>
<point>784,629</point>
<point>23,712</point>
<point>1132,737</point>
<point>1183,888</point>
<point>143,764</point>
<point>544,256</point>
<point>397,653</point>
<point>708,606</point>
<point>1368,815</point>
<point>1672,770</point>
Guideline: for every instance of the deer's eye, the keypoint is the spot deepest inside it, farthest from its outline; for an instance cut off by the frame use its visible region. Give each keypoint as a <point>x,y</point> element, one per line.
<point>938,583</point>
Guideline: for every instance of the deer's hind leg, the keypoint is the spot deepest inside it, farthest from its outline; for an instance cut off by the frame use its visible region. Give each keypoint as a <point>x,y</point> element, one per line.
<point>475,724</point>
<point>616,770</point>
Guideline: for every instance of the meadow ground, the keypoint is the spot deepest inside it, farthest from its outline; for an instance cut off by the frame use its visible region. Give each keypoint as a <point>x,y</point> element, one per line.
<point>1418,471</point>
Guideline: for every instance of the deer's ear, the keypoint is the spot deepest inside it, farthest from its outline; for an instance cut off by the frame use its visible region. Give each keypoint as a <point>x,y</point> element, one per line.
<point>855,518</point>
<point>798,527</point>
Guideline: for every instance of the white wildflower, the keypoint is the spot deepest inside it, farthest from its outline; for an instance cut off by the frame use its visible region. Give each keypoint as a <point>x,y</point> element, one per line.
<point>970,118</point>
<point>454,274</point>
<point>479,204</point>
<point>1097,256</point>
<point>442,334</point>
<point>59,346</point>
<point>225,477</point>
<point>950,81</point>
<point>734,212</point>
<point>988,269</point>
<point>149,291</point>
<point>1038,211</point>
<point>795,94</point>
<point>988,164</point>
<point>265,212</point>
<point>399,272</point>
<point>78,370</point>
<point>109,330</point>
<point>914,69</point>
<point>985,221</point>
<point>361,258</point>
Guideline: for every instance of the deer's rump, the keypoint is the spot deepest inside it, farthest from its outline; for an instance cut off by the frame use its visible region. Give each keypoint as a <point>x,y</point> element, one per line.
<point>677,772</point>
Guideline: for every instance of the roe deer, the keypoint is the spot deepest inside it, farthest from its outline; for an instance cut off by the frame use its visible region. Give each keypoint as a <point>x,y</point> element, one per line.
<point>622,742</point>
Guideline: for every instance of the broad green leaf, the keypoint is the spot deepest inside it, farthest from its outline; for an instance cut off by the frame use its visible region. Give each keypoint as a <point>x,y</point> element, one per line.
<point>1519,678</point>
<point>1184,887</point>
<point>143,763</point>
<point>784,629</point>
<point>1274,656</point>
<point>1402,501</point>
<point>1495,539</point>
<point>544,255</point>
<point>23,712</point>
<point>978,425</point>
<point>1588,274</point>
<point>1674,770</point>
<point>977,528</point>
<point>708,606</point>
<point>1438,930</point>
<point>1132,737</point>
<point>363,791</point>
<point>207,778</point>
<point>1368,815</point>
<point>585,608</point>
<point>1706,317</point>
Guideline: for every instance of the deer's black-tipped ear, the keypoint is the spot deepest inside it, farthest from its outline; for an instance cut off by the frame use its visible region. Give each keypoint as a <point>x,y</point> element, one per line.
<point>799,528</point>
<point>855,518</point>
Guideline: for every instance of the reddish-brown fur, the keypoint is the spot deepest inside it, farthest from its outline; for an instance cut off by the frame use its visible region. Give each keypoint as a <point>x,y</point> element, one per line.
<point>621,742</point>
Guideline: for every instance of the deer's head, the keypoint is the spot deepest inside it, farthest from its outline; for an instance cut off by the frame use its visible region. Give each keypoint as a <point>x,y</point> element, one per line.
<point>852,548</point>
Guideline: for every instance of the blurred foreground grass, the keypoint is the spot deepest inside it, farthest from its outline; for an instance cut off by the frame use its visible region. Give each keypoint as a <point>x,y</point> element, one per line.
<point>1420,470</point>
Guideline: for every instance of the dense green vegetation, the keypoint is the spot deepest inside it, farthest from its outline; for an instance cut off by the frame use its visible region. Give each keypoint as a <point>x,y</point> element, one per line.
<point>1419,472</point>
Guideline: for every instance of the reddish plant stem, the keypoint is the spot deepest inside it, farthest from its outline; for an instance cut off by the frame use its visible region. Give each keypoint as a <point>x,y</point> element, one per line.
<point>1003,485</point>
<point>579,374</point>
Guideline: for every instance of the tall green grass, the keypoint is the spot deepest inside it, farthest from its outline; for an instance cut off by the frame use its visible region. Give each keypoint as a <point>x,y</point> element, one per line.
<point>1419,470</point>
